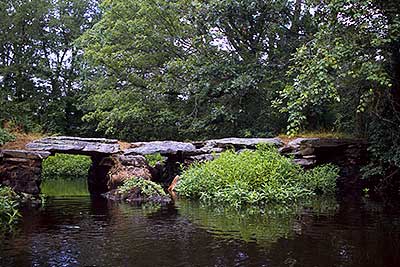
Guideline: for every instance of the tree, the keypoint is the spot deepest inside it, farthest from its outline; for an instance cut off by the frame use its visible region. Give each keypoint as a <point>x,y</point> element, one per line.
<point>351,68</point>
<point>39,64</point>
<point>190,69</point>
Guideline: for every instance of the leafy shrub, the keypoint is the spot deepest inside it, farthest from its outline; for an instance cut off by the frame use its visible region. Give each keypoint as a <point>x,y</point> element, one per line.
<point>138,190</point>
<point>5,136</point>
<point>255,177</point>
<point>147,188</point>
<point>8,207</point>
<point>152,159</point>
<point>62,166</point>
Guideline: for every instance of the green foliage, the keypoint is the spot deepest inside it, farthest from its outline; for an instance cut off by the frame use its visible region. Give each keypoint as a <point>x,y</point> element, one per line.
<point>63,166</point>
<point>194,69</point>
<point>147,188</point>
<point>5,136</point>
<point>153,159</point>
<point>345,66</point>
<point>255,178</point>
<point>9,213</point>
<point>39,64</point>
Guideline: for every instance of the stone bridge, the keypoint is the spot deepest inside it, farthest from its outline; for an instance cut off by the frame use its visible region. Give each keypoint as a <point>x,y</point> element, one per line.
<point>111,164</point>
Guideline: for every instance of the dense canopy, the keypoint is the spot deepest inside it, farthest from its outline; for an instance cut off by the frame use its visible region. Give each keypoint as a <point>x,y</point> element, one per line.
<point>180,69</point>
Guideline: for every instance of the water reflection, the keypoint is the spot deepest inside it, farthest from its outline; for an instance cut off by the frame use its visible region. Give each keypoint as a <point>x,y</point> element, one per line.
<point>254,225</point>
<point>81,231</point>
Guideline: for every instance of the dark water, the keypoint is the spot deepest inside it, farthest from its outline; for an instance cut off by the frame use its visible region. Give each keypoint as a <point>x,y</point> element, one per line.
<point>80,231</point>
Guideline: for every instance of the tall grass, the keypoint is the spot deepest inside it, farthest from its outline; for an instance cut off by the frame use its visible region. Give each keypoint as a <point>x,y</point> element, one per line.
<point>255,178</point>
<point>8,207</point>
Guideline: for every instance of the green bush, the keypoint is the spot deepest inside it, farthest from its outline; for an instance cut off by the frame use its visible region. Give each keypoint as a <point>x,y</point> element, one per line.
<point>5,136</point>
<point>62,166</point>
<point>153,159</point>
<point>255,178</point>
<point>147,188</point>
<point>8,207</point>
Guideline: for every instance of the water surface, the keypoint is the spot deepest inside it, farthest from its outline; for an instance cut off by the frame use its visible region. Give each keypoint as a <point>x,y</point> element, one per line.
<point>82,231</point>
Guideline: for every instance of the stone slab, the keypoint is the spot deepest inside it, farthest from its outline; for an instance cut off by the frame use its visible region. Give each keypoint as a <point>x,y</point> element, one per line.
<point>244,142</point>
<point>66,144</point>
<point>24,154</point>
<point>162,147</point>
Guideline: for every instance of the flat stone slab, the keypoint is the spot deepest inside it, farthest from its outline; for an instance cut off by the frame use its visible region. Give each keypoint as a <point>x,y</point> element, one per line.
<point>66,144</point>
<point>325,142</point>
<point>24,154</point>
<point>244,142</point>
<point>162,147</point>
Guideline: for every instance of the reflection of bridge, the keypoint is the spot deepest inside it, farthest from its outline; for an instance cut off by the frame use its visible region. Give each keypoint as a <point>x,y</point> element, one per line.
<point>21,169</point>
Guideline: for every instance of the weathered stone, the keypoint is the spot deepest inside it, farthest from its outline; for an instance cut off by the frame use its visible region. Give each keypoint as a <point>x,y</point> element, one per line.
<point>133,160</point>
<point>243,142</point>
<point>306,151</point>
<point>331,142</point>
<point>162,147</point>
<point>298,141</point>
<point>206,150</point>
<point>22,177</point>
<point>204,157</point>
<point>25,154</point>
<point>75,145</point>
<point>305,162</point>
<point>126,167</point>
<point>17,160</point>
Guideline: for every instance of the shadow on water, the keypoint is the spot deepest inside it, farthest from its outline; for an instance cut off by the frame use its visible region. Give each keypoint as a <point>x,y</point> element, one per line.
<point>90,231</point>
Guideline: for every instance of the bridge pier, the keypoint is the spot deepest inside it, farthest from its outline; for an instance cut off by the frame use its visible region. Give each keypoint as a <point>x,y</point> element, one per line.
<point>98,174</point>
<point>22,170</point>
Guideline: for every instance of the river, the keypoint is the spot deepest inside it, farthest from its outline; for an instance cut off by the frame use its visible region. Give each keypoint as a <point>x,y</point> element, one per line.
<point>85,231</point>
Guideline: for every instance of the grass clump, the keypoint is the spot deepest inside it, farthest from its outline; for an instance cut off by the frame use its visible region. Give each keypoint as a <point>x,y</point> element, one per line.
<point>63,166</point>
<point>148,188</point>
<point>255,178</point>
<point>9,213</point>
<point>139,190</point>
<point>5,136</point>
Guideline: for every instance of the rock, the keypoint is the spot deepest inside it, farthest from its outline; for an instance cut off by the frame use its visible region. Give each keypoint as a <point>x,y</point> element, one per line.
<point>203,157</point>
<point>75,145</point>
<point>21,170</point>
<point>304,151</point>
<point>163,147</point>
<point>298,141</point>
<point>125,167</point>
<point>333,142</point>
<point>238,143</point>
<point>305,162</point>
<point>24,154</point>
<point>172,186</point>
